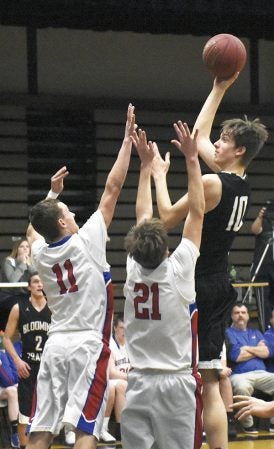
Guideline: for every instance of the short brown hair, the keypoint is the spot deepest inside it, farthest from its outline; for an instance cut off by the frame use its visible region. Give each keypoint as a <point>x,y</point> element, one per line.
<point>147,243</point>
<point>251,134</point>
<point>44,218</point>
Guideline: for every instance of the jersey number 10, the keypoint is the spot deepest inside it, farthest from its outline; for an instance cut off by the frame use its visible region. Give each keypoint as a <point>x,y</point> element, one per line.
<point>238,211</point>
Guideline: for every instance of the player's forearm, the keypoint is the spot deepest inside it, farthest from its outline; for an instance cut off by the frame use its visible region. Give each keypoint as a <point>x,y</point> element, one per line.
<point>257,225</point>
<point>163,202</point>
<point>207,114</point>
<point>8,345</point>
<point>117,175</point>
<point>196,198</point>
<point>144,209</point>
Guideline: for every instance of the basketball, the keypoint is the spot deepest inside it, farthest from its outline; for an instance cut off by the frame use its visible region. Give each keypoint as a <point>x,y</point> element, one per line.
<point>224,55</point>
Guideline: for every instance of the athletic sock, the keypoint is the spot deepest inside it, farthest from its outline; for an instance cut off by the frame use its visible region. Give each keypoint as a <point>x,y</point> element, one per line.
<point>14,426</point>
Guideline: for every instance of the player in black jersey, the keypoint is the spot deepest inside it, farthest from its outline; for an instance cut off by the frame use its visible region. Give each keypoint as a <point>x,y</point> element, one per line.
<point>227,196</point>
<point>31,318</point>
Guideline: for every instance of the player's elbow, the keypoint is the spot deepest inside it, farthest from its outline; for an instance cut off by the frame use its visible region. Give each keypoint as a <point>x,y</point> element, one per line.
<point>167,220</point>
<point>113,187</point>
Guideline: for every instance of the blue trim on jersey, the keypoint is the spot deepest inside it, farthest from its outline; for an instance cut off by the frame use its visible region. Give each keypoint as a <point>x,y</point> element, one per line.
<point>107,277</point>
<point>86,426</point>
<point>60,242</point>
<point>192,307</point>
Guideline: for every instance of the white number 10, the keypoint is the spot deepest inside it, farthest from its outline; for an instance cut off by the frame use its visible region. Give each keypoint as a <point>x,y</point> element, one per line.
<point>238,211</point>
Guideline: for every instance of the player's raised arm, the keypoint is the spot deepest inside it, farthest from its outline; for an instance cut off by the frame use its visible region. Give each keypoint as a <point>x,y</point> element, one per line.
<point>117,175</point>
<point>187,144</point>
<point>57,186</point>
<point>170,214</point>
<point>205,119</point>
<point>144,209</point>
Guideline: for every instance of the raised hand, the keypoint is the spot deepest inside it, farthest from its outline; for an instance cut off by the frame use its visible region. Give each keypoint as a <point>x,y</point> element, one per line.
<point>225,83</point>
<point>160,166</point>
<point>187,143</point>
<point>130,123</point>
<point>57,180</point>
<point>144,149</point>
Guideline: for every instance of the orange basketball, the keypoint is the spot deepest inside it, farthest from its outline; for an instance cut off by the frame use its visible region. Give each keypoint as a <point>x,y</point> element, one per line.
<point>224,55</point>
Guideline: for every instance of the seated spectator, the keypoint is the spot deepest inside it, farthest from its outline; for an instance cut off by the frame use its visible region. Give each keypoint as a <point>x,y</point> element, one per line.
<point>269,339</point>
<point>15,268</point>
<point>8,393</point>
<point>119,366</point>
<point>247,351</point>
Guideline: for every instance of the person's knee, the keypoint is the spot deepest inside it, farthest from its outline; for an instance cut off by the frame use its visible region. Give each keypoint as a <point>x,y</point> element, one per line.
<point>121,387</point>
<point>12,392</point>
<point>241,387</point>
<point>209,376</point>
<point>36,437</point>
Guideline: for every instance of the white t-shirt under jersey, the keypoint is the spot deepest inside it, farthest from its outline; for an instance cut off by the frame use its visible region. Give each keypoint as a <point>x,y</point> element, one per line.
<point>161,313</point>
<point>75,276</point>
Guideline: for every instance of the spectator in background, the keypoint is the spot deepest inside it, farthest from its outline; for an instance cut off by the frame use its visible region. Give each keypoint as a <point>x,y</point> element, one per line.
<point>263,228</point>
<point>32,319</point>
<point>119,366</point>
<point>8,394</point>
<point>15,268</point>
<point>247,351</point>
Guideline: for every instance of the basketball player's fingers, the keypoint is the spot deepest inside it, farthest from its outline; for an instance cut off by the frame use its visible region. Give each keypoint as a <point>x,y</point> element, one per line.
<point>176,143</point>
<point>61,172</point>
<point>135,138</point>
<point>167,157</point>
<point>240,397</point>
<point>242,413</point>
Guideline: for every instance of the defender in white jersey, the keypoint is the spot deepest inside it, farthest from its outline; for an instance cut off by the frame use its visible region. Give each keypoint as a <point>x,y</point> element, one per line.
<point>163,400</point>
<point>72,380</point>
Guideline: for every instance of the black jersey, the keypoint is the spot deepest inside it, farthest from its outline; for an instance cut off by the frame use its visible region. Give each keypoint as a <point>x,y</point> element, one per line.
<point>33,327</point>
<point>222,224</point>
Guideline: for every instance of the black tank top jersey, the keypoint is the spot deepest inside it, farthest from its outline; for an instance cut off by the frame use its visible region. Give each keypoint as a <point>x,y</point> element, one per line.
<point>222,224</point>
<point>33,327</point>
